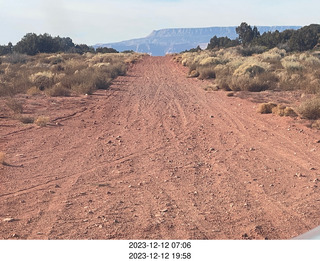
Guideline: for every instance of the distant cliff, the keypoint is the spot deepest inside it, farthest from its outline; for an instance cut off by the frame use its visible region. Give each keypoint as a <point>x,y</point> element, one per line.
<point>161,42</point>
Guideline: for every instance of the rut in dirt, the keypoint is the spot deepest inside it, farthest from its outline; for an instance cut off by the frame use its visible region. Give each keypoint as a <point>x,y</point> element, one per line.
<point>157,157</point>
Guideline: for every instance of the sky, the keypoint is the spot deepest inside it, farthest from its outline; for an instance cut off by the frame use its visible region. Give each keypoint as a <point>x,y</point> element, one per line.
<point>107,21</point>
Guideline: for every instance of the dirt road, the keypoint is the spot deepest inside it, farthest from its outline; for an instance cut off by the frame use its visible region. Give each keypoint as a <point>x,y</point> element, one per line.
<point>157,157</point>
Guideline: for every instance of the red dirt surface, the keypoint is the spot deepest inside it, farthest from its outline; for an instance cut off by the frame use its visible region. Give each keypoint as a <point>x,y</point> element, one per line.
<point>157,157</point>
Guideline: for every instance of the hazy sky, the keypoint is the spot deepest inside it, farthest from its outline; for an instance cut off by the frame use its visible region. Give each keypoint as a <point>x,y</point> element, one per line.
<point>104,21</point>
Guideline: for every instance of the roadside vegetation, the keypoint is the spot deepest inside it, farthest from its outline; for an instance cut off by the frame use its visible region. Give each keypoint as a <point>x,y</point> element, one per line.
<point>41,65</point>
<point>61,74</point>
<point>286,61</point>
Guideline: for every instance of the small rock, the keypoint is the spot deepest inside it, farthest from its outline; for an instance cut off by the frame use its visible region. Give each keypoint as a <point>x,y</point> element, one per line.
<point>85,220</point>
<point>9,220</point>
<point>245,235</point>
<point>15,235</point>
<point>164,210</point>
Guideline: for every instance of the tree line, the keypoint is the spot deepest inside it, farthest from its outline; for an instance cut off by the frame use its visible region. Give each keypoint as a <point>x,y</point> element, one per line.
<point>303,39</point>
<point>32,44</point>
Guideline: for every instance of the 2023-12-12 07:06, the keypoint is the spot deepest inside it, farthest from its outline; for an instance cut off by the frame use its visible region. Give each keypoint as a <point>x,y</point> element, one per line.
<point>160,245</point>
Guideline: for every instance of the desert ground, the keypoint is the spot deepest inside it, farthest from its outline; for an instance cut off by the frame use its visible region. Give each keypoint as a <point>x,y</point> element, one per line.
<point>157,157</point>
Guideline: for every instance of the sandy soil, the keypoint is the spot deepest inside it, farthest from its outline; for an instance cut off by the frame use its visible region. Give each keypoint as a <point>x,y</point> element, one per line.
<point>157,157</point>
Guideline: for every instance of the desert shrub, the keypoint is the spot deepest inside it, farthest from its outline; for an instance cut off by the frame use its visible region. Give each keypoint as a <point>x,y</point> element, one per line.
<point>58,90</point>
<point>16,58</point>
<point>206,73</point>
<point>252,68</point>
<point>225,86</point>
<point>33,91</point>
<point>192,67</point>
<point>310,60</point>
<point>42,121</point>
<point>213,61</point>
<point>292,81</point>
<point>87,81</point>
<point>248,51</point>
<point>261,82</point>
<point>101,81</point>
<point>274,54</point>
<point>14,105</point>
<point>265,108</point>
<point>292,66</point>
<point>313,86</point>
<point>83,88</point>
<point>310,109</point>
<point>42,80</point>
<point>117,69</point>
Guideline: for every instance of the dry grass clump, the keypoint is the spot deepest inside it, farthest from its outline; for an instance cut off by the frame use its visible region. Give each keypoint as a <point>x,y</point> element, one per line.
<point>212,87</point>
<point>58,90</point>
<point>282,110</point>
<point>42,121</point>
<point>265,108</point>
<point>33,91</point>
<point>194,74</point>
<point>310,109</point>
<point>316,125</point>
<point>277,109</point>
